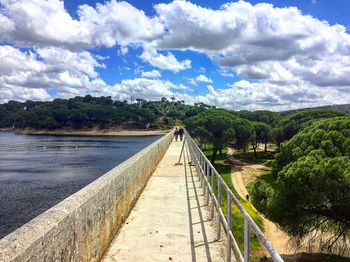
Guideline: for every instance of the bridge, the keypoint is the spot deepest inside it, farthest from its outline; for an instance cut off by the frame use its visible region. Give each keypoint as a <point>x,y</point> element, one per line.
<point>163,204</point>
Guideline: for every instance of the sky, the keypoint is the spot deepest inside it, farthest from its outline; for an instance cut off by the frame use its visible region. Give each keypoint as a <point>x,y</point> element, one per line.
<point>250,55</point>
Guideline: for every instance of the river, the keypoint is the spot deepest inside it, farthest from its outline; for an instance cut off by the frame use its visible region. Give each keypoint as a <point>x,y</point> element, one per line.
<point>37,172</point>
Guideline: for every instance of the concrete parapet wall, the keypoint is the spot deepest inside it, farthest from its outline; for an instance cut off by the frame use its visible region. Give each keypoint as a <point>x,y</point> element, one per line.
<point>81,227</point>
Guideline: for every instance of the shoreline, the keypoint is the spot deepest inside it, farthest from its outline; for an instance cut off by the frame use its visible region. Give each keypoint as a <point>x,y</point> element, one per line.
<point>90,132</point>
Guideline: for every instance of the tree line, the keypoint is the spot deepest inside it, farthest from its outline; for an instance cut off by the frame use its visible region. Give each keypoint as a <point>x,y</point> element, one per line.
<point>95,112</point>
<point>221,128</point>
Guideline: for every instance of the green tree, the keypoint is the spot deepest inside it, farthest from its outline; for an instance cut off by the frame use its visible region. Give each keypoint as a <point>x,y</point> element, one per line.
<point>262,136</point>
<point>244,133</point>
<point>308,190</point>
<point>265,116</point>
<point>215,127</point>
<point>290,126</point>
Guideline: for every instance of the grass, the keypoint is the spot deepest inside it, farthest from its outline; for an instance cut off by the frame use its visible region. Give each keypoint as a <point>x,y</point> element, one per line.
<point>312,257</point>
<point>223,166</point>
<point>264,175</point>
<point>249,158</point>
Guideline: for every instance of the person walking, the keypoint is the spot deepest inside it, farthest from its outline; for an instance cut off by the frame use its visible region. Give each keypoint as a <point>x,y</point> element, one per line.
<point>176,134</point>
<point>181,133</point>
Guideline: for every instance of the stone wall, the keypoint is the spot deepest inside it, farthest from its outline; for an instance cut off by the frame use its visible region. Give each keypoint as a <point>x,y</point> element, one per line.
<point>81,227</point>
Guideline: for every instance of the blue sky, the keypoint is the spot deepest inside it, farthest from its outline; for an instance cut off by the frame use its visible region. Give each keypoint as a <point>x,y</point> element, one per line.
<point>241,55</point>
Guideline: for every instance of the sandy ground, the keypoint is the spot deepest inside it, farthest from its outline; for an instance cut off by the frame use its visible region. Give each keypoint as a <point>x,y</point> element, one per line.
<point>170,221</point>
<point>92,132</point>
<point>242,174</point>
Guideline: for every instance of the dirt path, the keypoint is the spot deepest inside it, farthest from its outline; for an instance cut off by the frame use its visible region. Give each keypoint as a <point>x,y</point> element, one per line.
<point>242,174</point>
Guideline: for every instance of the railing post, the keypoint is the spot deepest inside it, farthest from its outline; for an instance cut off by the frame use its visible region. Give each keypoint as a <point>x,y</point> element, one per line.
<point>202,165</point>
<point>202,184</point>
<point>228,229</point>
<point>246,241</point>
<point>212,197</point>
<point>219,207</point>
<point>198,164</point>
<point>190,148</point>
<point>208,191</point>
<point>205,167</point>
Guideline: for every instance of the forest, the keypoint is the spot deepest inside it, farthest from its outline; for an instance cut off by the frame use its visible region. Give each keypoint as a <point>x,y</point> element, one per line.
<point>95,112</point>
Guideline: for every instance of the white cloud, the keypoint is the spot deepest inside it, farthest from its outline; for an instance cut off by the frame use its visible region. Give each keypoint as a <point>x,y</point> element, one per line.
<point>226,72</point>
<point>44,68</point>
<point>145,88</point>
<point>200,78</point>
<point>164,62</point>
<point>260,41</point>
<point>254,95</point>
<point>151,74</point>
<point>6,26</point>
<point>48,23</point>
<point>203,78</point>
<point>289,55</point>
<point>22,94</point>
<point>119,22</point>
<point>123,50</point>
<point>28,74</point>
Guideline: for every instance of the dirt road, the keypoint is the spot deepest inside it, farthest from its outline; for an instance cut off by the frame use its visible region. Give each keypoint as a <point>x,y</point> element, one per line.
<point>242,174</point>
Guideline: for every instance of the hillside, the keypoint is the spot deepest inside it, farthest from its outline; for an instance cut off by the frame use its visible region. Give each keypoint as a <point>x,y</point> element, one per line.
<point>81,113</point>
<point>344,108</point>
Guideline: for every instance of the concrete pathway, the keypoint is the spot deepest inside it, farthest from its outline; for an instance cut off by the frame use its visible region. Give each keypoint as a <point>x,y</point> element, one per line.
<point>170,221</point>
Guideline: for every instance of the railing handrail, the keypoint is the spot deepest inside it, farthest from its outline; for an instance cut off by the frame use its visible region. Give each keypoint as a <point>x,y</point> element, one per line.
<point>205,167</point>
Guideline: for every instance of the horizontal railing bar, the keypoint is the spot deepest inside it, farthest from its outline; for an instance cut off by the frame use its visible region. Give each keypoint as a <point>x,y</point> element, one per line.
<point>199,157</point>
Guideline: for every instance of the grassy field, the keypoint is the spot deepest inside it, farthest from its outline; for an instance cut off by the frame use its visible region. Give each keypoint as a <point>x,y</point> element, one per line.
<point>224,168</point>
<point>250,159</point>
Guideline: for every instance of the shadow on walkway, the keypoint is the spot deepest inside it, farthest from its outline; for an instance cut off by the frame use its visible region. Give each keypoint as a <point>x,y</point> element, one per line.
<point>199,216</point>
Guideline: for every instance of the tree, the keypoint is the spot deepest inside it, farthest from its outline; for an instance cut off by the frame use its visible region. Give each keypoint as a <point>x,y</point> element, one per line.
<point>262,136</point>
<point>290,126</point>
<point>215,127</point>
<point>267,117</point>
<point>308,190</point>
<point>244,133</point>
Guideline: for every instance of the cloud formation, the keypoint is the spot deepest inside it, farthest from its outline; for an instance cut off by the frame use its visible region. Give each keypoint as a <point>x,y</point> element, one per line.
<point>200,79</point>
<point>151,74</point>
<point>256,36</point>
<point>164,62</point>
<point>44,68</point>
<point>48,23</point>
<point>282,55</point>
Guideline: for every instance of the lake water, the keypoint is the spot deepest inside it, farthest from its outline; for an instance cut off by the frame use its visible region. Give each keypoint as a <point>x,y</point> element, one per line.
<point>37,172</point>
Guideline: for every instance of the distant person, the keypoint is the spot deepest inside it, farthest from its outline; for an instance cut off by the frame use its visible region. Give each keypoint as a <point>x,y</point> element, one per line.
<point>181,133</point>
<point>176,134</point>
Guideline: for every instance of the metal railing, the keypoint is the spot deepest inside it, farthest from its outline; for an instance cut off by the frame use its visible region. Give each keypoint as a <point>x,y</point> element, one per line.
<point>210,178</point>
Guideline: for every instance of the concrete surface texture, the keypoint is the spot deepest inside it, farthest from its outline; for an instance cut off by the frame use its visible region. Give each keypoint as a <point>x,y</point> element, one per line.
<point>171,220</point>
<point>81,227</point>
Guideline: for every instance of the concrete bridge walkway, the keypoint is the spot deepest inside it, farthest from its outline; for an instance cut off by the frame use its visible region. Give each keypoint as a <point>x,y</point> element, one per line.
<point>170,221</point>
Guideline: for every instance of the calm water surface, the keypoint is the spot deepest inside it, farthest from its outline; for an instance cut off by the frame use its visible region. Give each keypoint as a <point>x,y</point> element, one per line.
<point>37,172</point>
